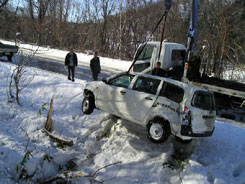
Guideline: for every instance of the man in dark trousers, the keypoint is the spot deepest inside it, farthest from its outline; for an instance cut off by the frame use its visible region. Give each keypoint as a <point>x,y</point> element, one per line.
<point>158,71</point>
<point>95,66</point>
<point>71,63</point>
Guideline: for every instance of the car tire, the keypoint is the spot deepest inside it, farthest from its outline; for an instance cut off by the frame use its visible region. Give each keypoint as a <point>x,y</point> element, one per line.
<point>88,104</point>
<point>10,57</point>
<point>158,131</point>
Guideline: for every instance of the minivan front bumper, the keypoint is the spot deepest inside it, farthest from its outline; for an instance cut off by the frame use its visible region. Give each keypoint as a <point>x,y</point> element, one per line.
<point>186,130</point>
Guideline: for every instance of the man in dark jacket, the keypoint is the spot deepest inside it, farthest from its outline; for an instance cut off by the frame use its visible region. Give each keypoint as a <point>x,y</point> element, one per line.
<point>158,71</point>
<point>95,66</point>
<point>71,63</point>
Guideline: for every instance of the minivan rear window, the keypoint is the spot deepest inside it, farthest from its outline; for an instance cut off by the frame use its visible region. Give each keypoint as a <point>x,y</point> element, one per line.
<point>203,100</point>
<point>172,92</point>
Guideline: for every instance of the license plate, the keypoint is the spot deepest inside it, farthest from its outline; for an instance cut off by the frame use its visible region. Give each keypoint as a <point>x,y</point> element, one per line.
<point>209,123</point>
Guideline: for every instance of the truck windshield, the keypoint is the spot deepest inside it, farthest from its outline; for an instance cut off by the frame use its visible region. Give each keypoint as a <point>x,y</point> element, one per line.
<point>146,53</point>
<point>139,67</point>
<point>203,100</point>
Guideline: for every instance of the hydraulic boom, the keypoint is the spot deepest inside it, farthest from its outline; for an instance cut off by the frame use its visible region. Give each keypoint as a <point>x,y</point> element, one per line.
<point>192,35</point>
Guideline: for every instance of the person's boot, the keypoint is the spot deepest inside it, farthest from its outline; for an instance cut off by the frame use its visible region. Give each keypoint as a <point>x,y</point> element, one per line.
<point>73,80</point>
<point>69,78</point>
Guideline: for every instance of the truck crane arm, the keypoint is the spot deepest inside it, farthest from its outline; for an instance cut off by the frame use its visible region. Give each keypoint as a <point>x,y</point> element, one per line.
<point>168,5</point>
<point>192,35</point>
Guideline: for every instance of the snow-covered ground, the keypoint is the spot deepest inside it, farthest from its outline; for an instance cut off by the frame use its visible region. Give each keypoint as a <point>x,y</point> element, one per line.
<point>27,152</point>
<point>237,75</point>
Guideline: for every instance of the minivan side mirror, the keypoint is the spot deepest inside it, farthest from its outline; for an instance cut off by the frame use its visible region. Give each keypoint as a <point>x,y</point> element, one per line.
<point>104,80</point>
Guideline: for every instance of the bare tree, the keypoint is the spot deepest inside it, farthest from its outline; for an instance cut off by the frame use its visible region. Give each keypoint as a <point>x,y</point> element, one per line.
<point>2,4</point>
<point>18,80</point>
<point>221,33</point>
<point>37,10</point>
<point>116,28</point>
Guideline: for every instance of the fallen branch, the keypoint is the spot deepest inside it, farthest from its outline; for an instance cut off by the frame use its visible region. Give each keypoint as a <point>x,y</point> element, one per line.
<point>98,170</point>
<point>80,175</point>
<point>58,139</point>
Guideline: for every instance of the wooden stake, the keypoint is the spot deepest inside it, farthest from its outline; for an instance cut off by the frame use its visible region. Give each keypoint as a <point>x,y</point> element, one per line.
<point>48,124</point>
<point>48,128</point>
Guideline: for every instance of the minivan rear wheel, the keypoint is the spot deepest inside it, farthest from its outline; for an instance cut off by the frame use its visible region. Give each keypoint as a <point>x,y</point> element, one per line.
<point>158,130</point>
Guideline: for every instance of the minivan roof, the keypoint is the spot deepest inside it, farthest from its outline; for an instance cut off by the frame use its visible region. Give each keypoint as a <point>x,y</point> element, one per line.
<point>172,81</point>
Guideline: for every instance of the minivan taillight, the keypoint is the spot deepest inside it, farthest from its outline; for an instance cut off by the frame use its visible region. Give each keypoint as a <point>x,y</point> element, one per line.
<point>186,116</point>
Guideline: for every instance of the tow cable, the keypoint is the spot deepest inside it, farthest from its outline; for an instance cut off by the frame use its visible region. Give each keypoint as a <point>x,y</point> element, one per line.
<point>168,4</point>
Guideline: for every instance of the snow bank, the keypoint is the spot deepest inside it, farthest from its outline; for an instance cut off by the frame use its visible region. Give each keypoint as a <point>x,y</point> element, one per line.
<point>99,141</point>
<point>220,158</point>
<point>47,52</point>
<point>236,75</point>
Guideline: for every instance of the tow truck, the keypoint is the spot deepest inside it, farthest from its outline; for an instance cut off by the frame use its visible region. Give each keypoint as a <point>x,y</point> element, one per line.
<point>179,62</point>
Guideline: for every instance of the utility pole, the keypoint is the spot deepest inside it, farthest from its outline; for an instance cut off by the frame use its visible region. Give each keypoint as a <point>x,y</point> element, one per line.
<point>120,44</point>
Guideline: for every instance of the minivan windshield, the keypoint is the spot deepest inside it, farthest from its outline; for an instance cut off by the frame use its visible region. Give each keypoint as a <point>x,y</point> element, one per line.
<point>203,100</point>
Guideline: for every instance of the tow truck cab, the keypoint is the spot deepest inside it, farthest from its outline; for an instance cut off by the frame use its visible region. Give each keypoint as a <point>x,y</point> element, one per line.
<point>172,55</point>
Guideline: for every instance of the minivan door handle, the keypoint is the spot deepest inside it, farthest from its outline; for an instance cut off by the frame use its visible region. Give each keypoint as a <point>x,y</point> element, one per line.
<point>123,92</point>
<point>208,117</point>
<point>167,103</point>
<point>148,98</point>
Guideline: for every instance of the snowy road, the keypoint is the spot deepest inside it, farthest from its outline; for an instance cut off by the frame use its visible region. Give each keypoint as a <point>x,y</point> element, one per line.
<point>57,66</point>
<point>51,59</point>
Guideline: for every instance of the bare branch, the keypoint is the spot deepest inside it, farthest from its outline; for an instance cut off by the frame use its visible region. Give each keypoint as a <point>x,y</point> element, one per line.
<point>64,176</point>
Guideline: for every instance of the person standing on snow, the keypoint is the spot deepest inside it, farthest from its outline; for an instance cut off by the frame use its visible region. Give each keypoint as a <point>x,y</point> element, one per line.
<point>95,66</point>
<point>71,63</point>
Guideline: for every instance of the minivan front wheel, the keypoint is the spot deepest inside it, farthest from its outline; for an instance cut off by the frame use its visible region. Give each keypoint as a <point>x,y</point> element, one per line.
<point>88,105</point>
<point>158,131</point>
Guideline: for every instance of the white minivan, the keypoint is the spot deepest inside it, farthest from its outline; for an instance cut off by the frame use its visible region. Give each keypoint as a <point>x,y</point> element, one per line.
<point>164,106</point>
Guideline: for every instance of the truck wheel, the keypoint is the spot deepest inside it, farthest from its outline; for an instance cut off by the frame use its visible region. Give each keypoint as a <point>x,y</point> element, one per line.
<point>10,57</point>
<point>158,130</point>
<point>88,105</point>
